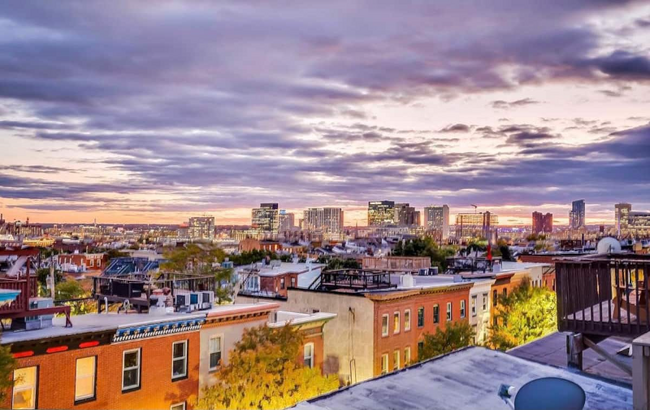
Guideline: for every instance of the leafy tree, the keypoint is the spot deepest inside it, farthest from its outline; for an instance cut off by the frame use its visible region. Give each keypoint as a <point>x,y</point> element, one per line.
<point>42,275</point>
<point>201,260</point>
<point>264,372</point>
<point>114,253</point>
<point>525,314</point>
<point>72,289</point>
<point>446,339</point>
<point>7,365</point>
<point>425,247</point>
<point>347,263</point>
<point>246,258</point>
<point>286,258</point>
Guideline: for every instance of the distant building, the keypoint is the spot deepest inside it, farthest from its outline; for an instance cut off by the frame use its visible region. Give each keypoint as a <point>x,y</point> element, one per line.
<point>622,217</point>
<point>577,215</point>
<point>436,219</point>
<point>250,244</point>
<point>542,223</point>
<point>381,213</point>
<point>266,219</point>
<point>201,228</point>
<point>287,221</point>
<point>404,215</point>
<point>472,225</point>
<point>325,220</point>
<point>639,223</point>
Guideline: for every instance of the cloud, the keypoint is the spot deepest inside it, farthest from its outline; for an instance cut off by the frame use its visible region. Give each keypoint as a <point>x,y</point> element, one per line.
<point>502,105</point>
<point>456,128</point>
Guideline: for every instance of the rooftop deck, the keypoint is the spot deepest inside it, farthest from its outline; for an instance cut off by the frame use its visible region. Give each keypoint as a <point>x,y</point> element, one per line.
<point>603,295</point>
<point>354,279</point>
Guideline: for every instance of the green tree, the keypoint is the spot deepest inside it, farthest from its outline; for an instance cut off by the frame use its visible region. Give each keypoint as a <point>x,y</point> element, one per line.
<point>42,275</point>
<point>453,336</point>
<point>347,263</point>
<point>525,314</point>
<point>425,247</point>
<point>265,372</point>
<point>201,260</point>
<point>72,289</point>
<point>7,365</point>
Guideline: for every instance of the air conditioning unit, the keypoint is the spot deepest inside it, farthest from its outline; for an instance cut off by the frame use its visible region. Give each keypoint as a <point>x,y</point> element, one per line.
<point>182,302</point>
<point>207,299</point>
<point>195,300</point>
<point>42,321</point>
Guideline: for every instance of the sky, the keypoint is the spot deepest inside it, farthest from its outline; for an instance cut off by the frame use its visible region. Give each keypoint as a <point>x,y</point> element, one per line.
<point>143,112</point>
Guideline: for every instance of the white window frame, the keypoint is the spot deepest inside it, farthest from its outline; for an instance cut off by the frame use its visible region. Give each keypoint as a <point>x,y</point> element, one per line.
<point>407,320</point>
<point>384,330</point>
<point>486,300</point>
<point>178,406</point>
<point>136,367</point>
<point>94,379</point>
<point>398,328</point>
<point>474,303</point>
<point>384,363</point>
<point>463,309</point>
<point>450,316</point>
<point>220,351</point>
<point>407,355</point>
<point>396,363</point>
<point>311,356</point>
<point>176,359</point>
<point>34,387</point>
<point>436,320</point>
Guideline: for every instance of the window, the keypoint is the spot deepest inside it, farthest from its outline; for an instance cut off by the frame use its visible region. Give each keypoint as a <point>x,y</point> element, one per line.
<point>396,360</point>
<point>281,283</point>
<point>214,347</point>
<point>384,363</point>
<point>177,406</point>
<point>494,297</point>
<point>462,309</point>
<point>420,348</point>
<point>179,359</point>
<point>131,369</point>
<point>396,323</point>
<point>407,320</point>
<point>436,313</point>
<point>25,384</point>
<point>407,356</point>
<point>84,387</point>
<point>448,311</point>
<point>474,305</point>
<point>308,354</point>
<point>420,316</point>
<point>485,301</point>
<point>505,292</point>
<point>293,282</point>
<point>384,325</point>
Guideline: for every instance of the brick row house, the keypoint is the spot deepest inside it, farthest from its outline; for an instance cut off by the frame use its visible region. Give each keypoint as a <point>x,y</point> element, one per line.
<point>144,361</point>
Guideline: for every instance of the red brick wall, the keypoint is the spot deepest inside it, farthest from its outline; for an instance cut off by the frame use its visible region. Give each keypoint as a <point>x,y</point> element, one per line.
<point>315,336</point>
<point>388,344</point>
<point>273,283</point>
<point>56,376</point>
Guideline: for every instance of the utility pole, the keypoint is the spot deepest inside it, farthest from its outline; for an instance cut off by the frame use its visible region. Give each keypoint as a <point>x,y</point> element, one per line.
<point>51,278</point>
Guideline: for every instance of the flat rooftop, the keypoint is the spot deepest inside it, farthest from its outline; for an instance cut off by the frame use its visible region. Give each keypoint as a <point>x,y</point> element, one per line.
<point>100,322</point>
<point>465,379</point>
<point>551,350</point>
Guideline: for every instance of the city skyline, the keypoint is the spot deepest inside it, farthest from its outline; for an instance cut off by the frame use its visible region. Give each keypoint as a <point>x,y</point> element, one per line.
<point>153,125</point>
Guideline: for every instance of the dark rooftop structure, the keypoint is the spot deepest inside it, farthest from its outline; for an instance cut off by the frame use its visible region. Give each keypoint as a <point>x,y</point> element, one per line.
<point>353,280</point>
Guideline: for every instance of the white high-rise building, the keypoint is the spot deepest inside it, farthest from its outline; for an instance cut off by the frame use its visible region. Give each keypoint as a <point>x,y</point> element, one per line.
<point>325,220</point>
<point>436,219</point>
<point>201,228</point>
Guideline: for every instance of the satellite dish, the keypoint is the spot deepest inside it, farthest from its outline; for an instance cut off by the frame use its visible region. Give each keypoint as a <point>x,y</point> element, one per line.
<point>550,393</point>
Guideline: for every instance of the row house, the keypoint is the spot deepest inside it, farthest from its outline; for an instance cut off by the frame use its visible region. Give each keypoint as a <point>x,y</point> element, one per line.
<point>81,262</point>
<point>145,361</point>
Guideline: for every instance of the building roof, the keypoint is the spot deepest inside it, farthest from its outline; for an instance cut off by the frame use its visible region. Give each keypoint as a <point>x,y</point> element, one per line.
<point>465,379</point>
<point>101,322</point>
<point>294,318</point>
<point>551,350</point>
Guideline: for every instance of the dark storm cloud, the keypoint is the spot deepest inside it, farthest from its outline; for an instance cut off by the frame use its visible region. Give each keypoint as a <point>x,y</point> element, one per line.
<point>221,98</point>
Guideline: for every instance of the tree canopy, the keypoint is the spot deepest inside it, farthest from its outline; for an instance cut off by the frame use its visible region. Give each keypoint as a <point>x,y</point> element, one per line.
<point>246,258</point>
<point>425,247</point>
<point>265,372</point>
<point>453,336</point>
<point>201,260</point>
<point>7,365</point>
<point>525,314</point>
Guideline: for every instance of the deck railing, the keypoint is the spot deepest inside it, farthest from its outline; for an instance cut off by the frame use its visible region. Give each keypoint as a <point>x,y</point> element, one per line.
<point>355,279</point>
<point>28,289</point>
<point>604,296</point>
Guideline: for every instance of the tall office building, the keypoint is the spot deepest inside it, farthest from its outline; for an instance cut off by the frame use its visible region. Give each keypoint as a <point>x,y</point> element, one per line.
<point>542,223</point>
<point>622,217</point>
<point>266,219</point>
<point>639,224</point>
<point>201,228</point>
<point>404,215</point>
<point>471,225</point>
<point>326,220</point>
<point>577,214</point>
<point>381,213</point>
<point>436,219</point>
<point>287,221</point>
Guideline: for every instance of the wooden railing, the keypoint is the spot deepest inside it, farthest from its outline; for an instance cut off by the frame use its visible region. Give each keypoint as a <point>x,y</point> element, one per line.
<point>28,288</point>
<point>603,296</point>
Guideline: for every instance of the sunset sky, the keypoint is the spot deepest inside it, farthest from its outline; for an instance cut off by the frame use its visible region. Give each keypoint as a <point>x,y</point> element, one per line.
<point>146,112</point>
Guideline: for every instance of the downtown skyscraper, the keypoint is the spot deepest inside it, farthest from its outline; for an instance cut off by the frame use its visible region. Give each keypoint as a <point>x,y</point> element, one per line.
<point>436,220</point>
<point>577,215</point>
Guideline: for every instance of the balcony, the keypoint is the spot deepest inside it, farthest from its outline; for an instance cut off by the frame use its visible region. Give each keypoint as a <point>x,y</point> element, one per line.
<point>605,295</point>
<point>354,279</point>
